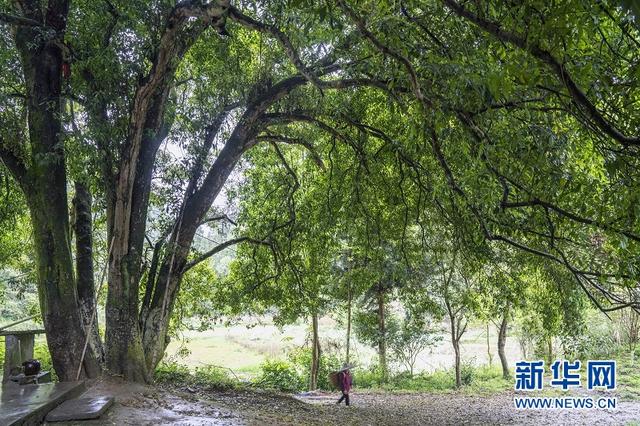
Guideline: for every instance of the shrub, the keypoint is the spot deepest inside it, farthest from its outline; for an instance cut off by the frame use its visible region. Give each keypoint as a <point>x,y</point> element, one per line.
<point>210,376</point>
<point>301,359</point>
<point>440,380</point>
<point>368,377</point>
<point>467,372</point>
<point>215,377</point>
<point>280,375</point>
<point>479,379</point>
<point>172,372</point>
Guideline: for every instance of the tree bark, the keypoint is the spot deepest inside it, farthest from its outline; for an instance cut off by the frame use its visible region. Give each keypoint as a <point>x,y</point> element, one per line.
<point>456,349</point>
<point>44,181</point>
<point>489,354</point>
<point>349,324</point>
<point>315,354</point>
<point>155,316</point>
<point>382,335</point>
<point>456,334</point>
<point>502,340</point>
<point>83,227</point>
<point>126,354</point>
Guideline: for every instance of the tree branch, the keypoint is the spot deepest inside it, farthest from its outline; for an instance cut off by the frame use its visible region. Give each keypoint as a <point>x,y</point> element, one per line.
<point>220,247</point>
<point>285,118</point>
<point>218,218</point>
<point>20,20</point>
<point>537,202</point>
<point>413,76</point>
<point>16,166</point>
<point>295,141</point>
<point>290,51</point>
<point>578,96</point>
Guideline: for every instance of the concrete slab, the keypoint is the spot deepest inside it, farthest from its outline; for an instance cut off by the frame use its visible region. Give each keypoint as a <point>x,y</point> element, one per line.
<point>29,404</point>
<point>84,408</point>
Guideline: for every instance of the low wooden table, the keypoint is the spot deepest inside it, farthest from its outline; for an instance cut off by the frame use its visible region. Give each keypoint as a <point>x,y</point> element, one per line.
<point>18,348</point>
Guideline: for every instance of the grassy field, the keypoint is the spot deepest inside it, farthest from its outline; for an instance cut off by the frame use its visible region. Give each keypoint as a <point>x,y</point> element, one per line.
<point>244,347</point>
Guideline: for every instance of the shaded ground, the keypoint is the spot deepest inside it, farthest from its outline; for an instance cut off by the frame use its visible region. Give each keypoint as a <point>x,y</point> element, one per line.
<point>146,405</point>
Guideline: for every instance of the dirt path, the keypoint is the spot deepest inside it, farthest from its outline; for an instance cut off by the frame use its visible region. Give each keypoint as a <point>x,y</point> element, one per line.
<point>146,405</point>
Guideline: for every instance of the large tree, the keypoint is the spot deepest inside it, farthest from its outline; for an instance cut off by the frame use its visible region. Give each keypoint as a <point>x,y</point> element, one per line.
<point>515,123</point>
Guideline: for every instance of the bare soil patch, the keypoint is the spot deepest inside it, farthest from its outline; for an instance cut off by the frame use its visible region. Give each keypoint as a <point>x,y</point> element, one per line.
<point>153,405</point>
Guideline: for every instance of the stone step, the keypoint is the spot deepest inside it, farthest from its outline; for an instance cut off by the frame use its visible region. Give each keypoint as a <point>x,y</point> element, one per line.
<point>82,408</point>
<point>29,404</point>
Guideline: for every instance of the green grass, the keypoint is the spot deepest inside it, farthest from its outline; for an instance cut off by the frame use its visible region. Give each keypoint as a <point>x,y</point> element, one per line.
<point>479,381</point>
<point>628,375</point>
<point>209,377</point>
<point>488,380</point>
<point>208,350</point>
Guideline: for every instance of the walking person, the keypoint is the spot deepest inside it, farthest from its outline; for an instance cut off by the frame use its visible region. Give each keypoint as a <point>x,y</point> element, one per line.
<point>345,380</point>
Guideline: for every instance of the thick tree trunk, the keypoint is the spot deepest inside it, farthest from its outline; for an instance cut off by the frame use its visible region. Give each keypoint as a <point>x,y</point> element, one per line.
<point>125,353</point>
<point>44,182</point>
<point>57,291</point>
<point>83,227</point>
<point>502,340</point>
<point>382,335</point>
<point>315,353</point>
<point>139,341</point>
<point>156,314</point>
<point>154,321</point>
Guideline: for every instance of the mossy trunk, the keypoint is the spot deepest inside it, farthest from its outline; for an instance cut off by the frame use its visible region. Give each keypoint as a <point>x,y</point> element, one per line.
<point>57,290</point>
<point>124,353</point>
<point>83,229</point>
<point>44,182</point>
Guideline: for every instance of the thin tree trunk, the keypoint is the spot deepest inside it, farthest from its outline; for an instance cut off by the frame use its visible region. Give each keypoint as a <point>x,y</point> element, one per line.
<point>502,339</point>
<point>455,341</point>
<point>382,335</point>
<point>489,354</point>
<point>315,354</point>
<point>83,227</point>
<point>456,349</point>
<point>349,324</point>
